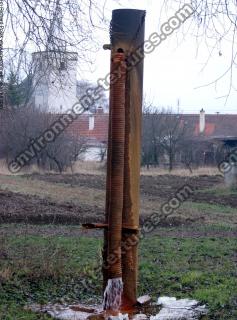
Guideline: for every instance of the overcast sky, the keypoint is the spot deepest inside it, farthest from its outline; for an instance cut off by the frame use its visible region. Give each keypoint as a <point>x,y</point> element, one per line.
<point>180,68</point>
<point>175,70</point>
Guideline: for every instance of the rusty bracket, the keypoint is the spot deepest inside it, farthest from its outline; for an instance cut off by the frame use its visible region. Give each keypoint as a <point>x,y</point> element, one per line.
<point>105,226</point>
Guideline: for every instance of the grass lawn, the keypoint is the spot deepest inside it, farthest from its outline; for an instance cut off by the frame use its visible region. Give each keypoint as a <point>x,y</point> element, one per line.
<point>220,191</point>
<point>65,268</point>
<point>61,263</point>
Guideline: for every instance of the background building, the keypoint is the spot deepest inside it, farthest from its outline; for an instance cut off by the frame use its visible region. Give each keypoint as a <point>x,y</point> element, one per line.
<point>55,80</point>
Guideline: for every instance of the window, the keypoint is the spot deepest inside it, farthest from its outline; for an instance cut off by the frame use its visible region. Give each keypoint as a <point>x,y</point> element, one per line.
<point>62,65</point>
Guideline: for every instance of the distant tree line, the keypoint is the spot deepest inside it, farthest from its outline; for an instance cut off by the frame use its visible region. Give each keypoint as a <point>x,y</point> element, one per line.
<point>164,135</point>
<point>169,140</point>
<point>21,122</point>
<point>19,128</point>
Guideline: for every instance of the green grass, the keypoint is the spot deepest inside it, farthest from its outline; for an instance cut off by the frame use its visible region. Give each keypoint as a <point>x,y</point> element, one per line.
<point>210,208</point>
<point>58,268</point>
<point>214,216</point>
<point>203,269</point>
<point>220,191</point>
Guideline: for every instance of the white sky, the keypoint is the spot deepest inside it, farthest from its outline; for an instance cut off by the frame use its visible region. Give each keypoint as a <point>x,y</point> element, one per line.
<point>177,67</point>
<point>174,70</point>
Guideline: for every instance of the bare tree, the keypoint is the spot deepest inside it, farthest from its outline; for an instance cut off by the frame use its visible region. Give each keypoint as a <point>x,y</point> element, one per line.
<point>214,26</point>
<point>102,152</point>
<point>21,127</point>
<point>20,80</point>
<point>54,29</point>
<point>53,25</point>
<point>65,151</point>
<point>163,134</point>
<point>188,148</point>
<point>83,86</point>
<point>152,132</point>
<point>174,131</point>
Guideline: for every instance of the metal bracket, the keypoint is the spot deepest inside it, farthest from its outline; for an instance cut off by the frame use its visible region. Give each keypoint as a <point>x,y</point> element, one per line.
<point>105,226</point>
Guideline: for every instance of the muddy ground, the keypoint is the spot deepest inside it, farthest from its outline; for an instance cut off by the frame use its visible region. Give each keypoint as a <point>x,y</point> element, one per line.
<point>16,207</point>
<point>163,187</point>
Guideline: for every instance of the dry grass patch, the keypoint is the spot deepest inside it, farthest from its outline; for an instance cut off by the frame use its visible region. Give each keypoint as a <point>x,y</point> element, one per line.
<point>99,168</point>
<point>54,191</point>
<point>209,171</point>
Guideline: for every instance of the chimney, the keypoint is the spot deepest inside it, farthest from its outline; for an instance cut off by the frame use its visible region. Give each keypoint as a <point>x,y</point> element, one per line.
<point>100,110</point>
<point>91,122</point>
<point>202,121</point>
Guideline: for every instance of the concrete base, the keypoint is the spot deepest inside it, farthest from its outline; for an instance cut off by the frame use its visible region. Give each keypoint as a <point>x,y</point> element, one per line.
<point>171,309</point>
<point>60,312</point>
<point>184,309</point>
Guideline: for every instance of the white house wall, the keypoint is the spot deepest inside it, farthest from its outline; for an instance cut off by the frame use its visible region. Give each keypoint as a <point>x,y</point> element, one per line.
<point>55,89</point>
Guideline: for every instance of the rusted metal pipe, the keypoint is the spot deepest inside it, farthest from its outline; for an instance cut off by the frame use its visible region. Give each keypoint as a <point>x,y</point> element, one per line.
<point>127,33</point>
<point>123,158</point>
<point>116,166</point>
<point>108,187</point>
<point>132,183</point>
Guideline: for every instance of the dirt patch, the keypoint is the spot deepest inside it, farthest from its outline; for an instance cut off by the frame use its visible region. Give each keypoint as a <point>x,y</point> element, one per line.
<point>191,232</point>
<point>19,208</point>
<point>161,187</point>
<point>225,200</point>
<point>77,231</point>
<point>166,186</point>
<point>15,207</point>
<point>155,190</point>
<point>75,180</point>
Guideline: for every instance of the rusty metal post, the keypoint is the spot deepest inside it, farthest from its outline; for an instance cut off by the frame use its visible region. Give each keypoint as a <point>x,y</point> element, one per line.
<point>108,188</point>
<point>127,35</point>
<point>115,177</point>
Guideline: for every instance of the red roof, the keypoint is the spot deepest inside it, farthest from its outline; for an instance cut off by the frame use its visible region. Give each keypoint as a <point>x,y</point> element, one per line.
<point>217,125</point>
<point>99,134</point>
<point>209,129</point>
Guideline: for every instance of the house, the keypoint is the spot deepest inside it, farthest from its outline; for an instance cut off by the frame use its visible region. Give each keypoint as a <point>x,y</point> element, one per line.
<point>211,135</point>
<point>214,134</point>
<point>94,128</point>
